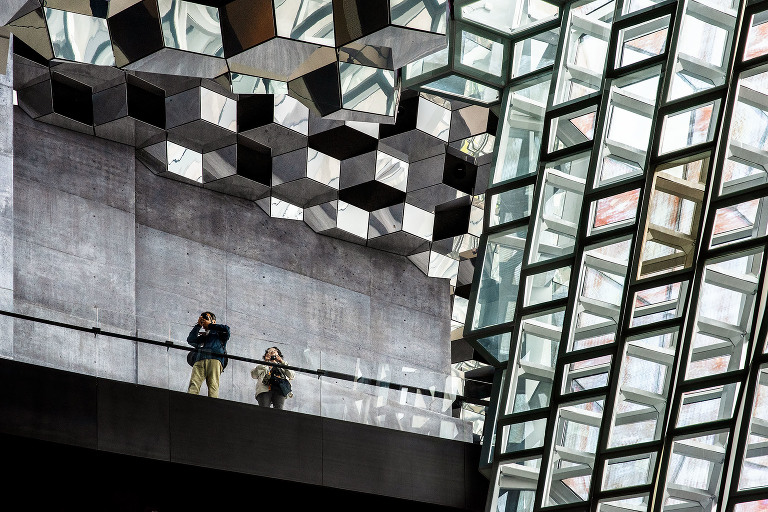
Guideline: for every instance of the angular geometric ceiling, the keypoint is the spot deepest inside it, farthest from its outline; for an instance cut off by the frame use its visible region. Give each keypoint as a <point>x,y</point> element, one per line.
<point>293,104</point>
<point>339,57</point>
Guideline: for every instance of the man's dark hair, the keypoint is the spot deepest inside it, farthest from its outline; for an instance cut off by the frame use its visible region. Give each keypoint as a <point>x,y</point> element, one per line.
<point>211,317</point>
<point>278,351</point>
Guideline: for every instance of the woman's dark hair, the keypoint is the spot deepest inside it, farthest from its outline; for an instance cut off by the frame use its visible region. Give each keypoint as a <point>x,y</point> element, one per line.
<point>211,317</point>
<point>278,352</point>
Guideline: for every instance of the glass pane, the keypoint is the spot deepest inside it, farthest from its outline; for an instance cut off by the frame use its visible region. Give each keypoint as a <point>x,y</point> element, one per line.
<point>757,40</point>
<point>754,469</point>
<point>535,53</point>
<point>367,89</point>
<point>601,286</point>
<point>645,376</point>
<point>627,132</point>
<point>516,486</point>
<point>614,211</point>
<point>689,127</point>
<point>573,455</point>
<point>483,56</point>
<point>694,473</point>
<point>507,17</point>
<point>426,15</point>
<point>745,166</point>
<point>635,504</point>
<point>497,346</point>
<point>559,210</point>
<point>547,286</point>
<point>703,47</point>
<point>526,435</point>
<point>726,304</point>
<point>571,129</point>
<point>218,109</point>
<point>585,49</point>
<point>707,405</point>
<point>629,6</point>
<point>674,213</point>
<point>429,65</point>
<point>740,221</point>
<point>520,132</point>
<point>584,375</point>
<point>185,163</point>
<point>659,303</point>
<point>752,506</point>
<point>464,88</point>
<point>499,279</point>
<point>246,84</point>
<point>535,358</point>
<point>511,205</point>
<point>642,41</point>
<point>627,472</point>
<point>79,38</point>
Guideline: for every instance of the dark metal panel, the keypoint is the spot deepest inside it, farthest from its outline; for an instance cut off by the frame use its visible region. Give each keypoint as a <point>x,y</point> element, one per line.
<point>133,420</point>
<point>243,438</point>
<point>475,484</point>
<point>392,463</point>
<point>48,404</point>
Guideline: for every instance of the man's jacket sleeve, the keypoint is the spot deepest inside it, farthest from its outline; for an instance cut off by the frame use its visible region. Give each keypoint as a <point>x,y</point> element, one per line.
<point>192,338</point>
<point>222,330</point>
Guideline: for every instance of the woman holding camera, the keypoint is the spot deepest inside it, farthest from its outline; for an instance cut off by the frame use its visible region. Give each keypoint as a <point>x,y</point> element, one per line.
<point>272,386</point>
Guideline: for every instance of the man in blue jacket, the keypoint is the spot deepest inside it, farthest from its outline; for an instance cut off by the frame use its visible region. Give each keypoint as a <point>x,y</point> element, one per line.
<point>208,362</point>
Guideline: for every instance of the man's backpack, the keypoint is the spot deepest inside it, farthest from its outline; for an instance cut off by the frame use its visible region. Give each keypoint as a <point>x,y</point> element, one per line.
<point>192,357</point>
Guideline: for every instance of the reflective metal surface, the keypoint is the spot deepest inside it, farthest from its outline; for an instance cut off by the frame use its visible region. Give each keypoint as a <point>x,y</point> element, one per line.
<point>185,163</point>
<point>367,89</point>
<point>218,109</point>
<point>323,168</point>
<point>246,84</point>
<point>305,20</point>
<point>79,38</point>
<point>250,42</point>
<point>191,27</point>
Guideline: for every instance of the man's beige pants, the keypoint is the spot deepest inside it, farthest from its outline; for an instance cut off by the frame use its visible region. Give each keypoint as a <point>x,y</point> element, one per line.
<point>208,370</point>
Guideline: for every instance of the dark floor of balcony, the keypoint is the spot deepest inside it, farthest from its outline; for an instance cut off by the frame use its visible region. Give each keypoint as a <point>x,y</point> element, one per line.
<point>80,442</point>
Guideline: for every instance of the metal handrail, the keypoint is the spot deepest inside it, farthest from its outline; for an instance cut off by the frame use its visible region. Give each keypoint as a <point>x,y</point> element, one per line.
<point>318,372</point>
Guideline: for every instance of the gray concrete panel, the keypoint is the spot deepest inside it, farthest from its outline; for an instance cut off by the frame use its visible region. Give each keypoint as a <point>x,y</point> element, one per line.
<point>398,281</point>
<point>51,346</point>
<point>6,324</point>
<point>82,165</point>
<point>419,338</point>
<point>6,205</point>
<point>284,307</point>
<point>76,351</point>
<point>6,250</point>
<point>59,281</point>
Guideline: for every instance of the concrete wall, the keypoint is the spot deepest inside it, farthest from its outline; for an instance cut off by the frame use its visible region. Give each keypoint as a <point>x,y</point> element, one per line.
<point>93,228</point>
<point>6,205</point>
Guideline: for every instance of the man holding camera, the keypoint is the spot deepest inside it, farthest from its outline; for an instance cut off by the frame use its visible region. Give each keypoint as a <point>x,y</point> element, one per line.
<point>207,362</point>
<point>272,387</point>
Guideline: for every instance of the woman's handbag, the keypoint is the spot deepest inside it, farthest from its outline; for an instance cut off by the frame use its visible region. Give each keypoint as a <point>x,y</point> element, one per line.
<point>278,381</point>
